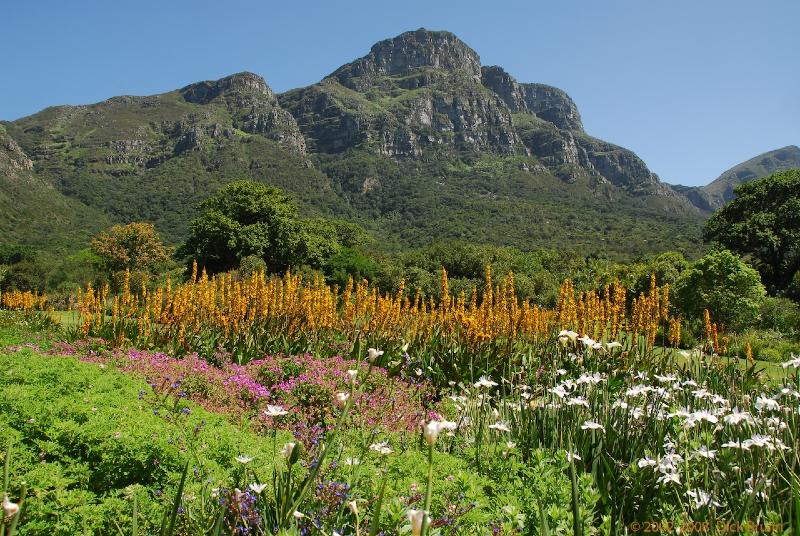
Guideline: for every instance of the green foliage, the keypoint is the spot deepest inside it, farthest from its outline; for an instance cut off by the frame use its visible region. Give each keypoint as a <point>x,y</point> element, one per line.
<point>781,315</point>
<point>76,270</point>
<point>94,443</point>
<point>765,344</point>
<point>25,275</point>
<point>726,286</point>
<point>242,219</point>
<point>247,219</point>
<point>250,265</point>
<point>667,267</point>
<point>12,254</point>
<point>763,222</point>
<point>349,262</point>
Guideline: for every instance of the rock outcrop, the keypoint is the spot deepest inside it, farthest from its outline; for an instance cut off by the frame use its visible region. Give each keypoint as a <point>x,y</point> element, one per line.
<point>252,105</point>
<point>417,91</point>
<point>543,101</point>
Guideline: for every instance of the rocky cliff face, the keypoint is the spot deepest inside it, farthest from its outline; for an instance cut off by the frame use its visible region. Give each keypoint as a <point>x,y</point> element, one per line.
<point>425,90</point>
<point>252,105</point>
<point>12,158</point>
<point>546,102</point>
<point>420,90</point>
<point>407,53</point>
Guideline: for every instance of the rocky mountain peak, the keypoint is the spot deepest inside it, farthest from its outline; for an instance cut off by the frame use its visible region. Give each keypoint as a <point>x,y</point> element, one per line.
<point>409,51</point>
<point>546,102</point>
<point>205,92</point>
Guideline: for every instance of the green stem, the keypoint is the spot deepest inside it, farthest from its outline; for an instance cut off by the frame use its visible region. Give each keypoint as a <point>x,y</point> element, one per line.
<point>428,492</point>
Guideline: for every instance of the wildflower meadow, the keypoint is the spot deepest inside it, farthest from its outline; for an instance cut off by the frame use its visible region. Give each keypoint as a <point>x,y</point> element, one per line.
<point>277,405</point>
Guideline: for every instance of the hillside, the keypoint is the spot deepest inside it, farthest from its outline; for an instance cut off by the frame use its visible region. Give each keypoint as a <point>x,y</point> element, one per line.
<point>720,191</point>
<point>416,141</point>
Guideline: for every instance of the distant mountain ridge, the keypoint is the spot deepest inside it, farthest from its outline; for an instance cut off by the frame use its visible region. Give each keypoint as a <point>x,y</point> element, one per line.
<point>416,141</point>
<point>760,166</point>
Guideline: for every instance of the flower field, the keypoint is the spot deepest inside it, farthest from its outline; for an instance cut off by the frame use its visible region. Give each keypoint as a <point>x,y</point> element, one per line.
<point>351,411</point>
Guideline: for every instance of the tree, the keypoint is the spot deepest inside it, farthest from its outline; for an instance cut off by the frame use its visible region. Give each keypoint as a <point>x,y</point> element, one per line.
<point>722,283</point>
<point>247,218</point>
<point>763,223</point>
<point>136,247</point>
<point>25,275</point>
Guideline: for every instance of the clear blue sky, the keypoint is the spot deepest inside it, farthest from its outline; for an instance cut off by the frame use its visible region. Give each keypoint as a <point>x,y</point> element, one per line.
<point>693,86</point>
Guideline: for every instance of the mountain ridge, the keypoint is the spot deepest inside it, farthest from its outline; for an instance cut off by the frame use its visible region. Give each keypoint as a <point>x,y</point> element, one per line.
<point>387,140</point>
<point>720,191</point>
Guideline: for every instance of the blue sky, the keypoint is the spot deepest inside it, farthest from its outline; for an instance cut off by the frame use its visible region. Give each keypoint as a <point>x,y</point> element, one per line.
<point>693,86</point>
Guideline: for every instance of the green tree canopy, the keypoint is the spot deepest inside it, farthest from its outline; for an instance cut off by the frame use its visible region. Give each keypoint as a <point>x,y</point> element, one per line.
<point>250,219</point>
<point>763,223</point>
<point>722,283</point>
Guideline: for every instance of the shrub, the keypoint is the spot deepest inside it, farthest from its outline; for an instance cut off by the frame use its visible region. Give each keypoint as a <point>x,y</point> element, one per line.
<point>725,285</point>
<point>781,314</point>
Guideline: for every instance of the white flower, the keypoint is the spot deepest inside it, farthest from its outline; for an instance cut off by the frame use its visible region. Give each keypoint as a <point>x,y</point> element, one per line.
<point>298,515</point>
<point>736,416</point>
<point>561,371</point>
<point>433,428</point>
<point>243,459</point>
<point>10,508</point>
<point>559,391</point>
<point>669,378</point>
<point>288,448</point>
<point>733,445</point>
<point>578,401</point>
<point>381,448</point>
<point>703,452</point>
<point>353,505</point>
<point>373,354</point>
<point>666,478</point>
<point>759,440</point>
<point>483,381</point>
<point>613,344</point>
<point>510,445</point>
<point>701,498</point>
<point>341,398</point>
<point>258,488</point>
<point>275,411</point>
<point>638,390</point>
<point>351,375</point>
<point>591,425</point>
<point>591,379</point>
<point>567,335</point>
<point>794,362</point>
<point>416,517</point>
<point>619,403</point>
<point>351,461</point>
<point>699,416</point>
<point>763,402</point>
<point>587,341</point>
<point>647,461</point>
<point>572,456</point>
<point>500,427</point>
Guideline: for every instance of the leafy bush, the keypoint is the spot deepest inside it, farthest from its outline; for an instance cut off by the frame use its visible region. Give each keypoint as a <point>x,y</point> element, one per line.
<point>726,286</point>
<point>782,315</point>
<point>26,275</point>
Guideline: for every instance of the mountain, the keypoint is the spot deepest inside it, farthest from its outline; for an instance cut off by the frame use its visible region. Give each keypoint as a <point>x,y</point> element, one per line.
<point>720,191</point>
<point>33,211</point>
<point>416,141</point>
